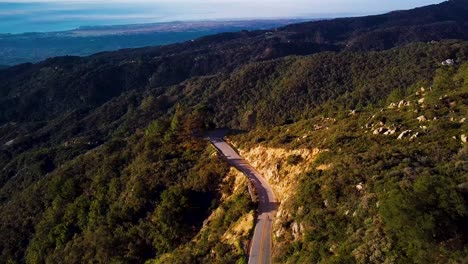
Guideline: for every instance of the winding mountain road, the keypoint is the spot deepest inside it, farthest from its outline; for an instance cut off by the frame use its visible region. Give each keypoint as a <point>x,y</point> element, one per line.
<point>260,250</point>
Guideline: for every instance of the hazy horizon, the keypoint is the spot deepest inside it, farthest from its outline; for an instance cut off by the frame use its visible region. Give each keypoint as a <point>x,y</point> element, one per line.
<point>47,16</point>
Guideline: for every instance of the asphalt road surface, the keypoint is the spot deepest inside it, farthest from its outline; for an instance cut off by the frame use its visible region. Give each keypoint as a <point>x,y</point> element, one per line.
<point>260,249</point>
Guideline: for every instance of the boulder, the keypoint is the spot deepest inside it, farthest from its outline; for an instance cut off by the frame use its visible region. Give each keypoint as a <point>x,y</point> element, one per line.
<point>448,62</point>
<point>325,203</point>
<point>416,135</point>
<point>401,103</point>
<point>360,187</point>
<point>279,232</point>
<point>422,119</point>
<point>463,138</point>
<point>404,134</point>
<point>390,132</point>
<point>380,130</point>
<point>295,230</point>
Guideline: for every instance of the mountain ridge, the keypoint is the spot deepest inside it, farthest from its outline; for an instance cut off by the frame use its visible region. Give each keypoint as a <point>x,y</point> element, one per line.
<point>35,47</point>
<point>157,66</point>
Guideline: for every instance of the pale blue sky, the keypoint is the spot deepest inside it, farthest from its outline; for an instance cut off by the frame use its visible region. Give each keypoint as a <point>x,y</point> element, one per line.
<point>43,15</point>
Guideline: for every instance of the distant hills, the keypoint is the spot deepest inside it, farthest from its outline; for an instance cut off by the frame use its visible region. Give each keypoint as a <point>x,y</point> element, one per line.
<point>442,21</point>
<point>76,82</point>
<point>34,47</point>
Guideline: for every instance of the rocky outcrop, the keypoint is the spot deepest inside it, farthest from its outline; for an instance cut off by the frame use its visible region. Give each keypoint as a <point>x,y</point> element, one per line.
<point>448,62</point>
<point>422,118</point>
<point>390,132</point>
<point>404,134</point>
<point>414,136</point>
<point>283,176</point>
<point>380,130</point>
<point>360,187</point>
<point>392,106</point>
<point>403,103</point>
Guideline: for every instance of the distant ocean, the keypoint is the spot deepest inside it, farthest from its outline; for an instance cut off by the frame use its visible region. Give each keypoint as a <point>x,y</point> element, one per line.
<point>66,15</point>
<point>55,16</point>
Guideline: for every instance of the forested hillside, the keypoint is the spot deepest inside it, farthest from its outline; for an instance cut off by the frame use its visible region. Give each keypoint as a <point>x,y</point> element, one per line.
<point>102,157</point>
<point>74,83</point>
<point>388,184</point>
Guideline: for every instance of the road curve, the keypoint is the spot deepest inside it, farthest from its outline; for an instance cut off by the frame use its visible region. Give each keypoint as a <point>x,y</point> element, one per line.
<point>260,249</point>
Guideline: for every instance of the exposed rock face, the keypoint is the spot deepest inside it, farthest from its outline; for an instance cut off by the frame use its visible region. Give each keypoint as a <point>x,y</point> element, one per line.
<point>283,176</point>
<point>463,138</point>
<point>272,164</point>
